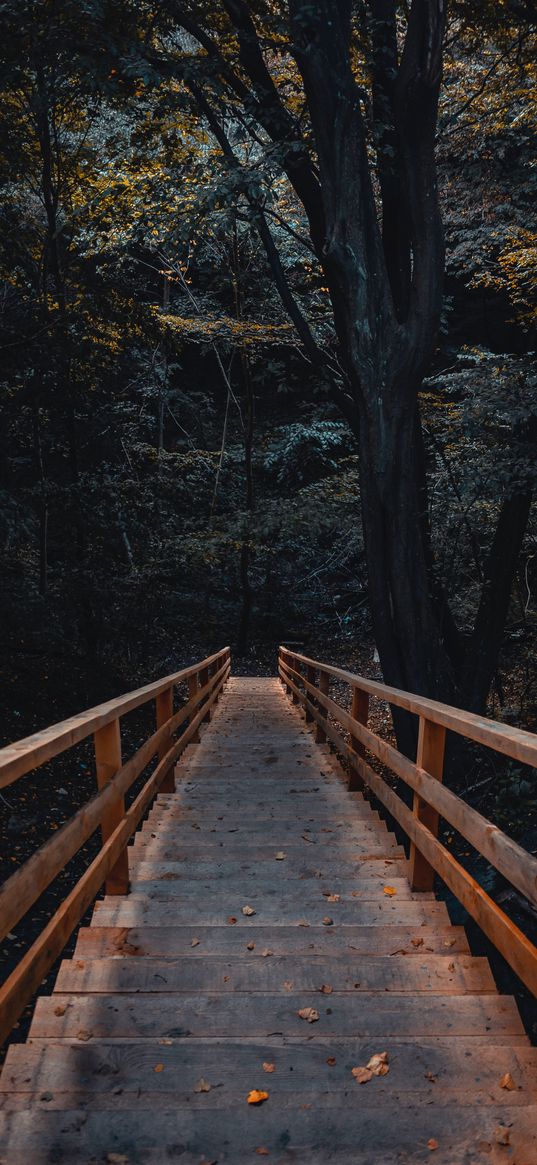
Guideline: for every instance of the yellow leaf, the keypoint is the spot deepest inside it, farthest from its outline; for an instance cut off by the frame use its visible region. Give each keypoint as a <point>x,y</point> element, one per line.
<point>158,1068</point>
<point>507,1082</point>
<point>309,1013</point>
<point>362,1075</point>
<point>256,1096</point>
<point>390,891</point>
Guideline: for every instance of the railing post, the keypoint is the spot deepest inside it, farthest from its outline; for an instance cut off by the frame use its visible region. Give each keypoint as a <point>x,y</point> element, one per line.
<point>320,734</point>
<point>107,743</point>
<point>310,675</point>
<point>359,712</point>
<point>192,692</point>
<point>204,678</point>
<point>164,709</point>
<point>294,664</point>
<point>430,756</point>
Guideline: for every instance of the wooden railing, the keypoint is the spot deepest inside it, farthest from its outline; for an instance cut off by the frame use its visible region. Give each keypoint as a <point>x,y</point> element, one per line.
<point>106,809</point>
<point>431,799</point>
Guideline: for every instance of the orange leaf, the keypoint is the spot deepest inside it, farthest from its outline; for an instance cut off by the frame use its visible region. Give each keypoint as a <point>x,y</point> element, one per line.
<point>309,1013</point>
<point>326,989</point>
<point>507,1082</point>
<point>262,1152</point>
<point>390,891</point>
<point>158,1068</point>
<point>256,1096</point>
<point>362,1075</point>
<point>268,1067</point>
<point>432,1143</point>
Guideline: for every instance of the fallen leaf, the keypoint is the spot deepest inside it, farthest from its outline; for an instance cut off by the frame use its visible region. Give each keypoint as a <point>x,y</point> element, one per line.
<point>378,1064</point>
<point>502,1135</point>
<point>432,1143</point>
<point>250,946</point>
<point>268,1067</point>
<point>309,1013</point>
<point>328,921</point>
<point>362,1075</point>
<point>331,1061</point>
<point>168,1043</point>
<point>158,1068</point>
<point>46,1096</point>
<point>449,942</point>
<point>266,952</point>
<point>202,1086</point>
<point>59,1010</point>
<point>231,920</point>
<point>431,1076</point>
<point>326,989</point>
<point>280,856</point>
<point>417,942</point>
<point>390,891</point>
<point>262,1152</point>
<point>248,911</point>
<point>288,985</point>
<point>116,1159</point>
<point>84,1035</point>
<point>451,966</point>
<point>507,1082</point>
<point>333,897</point>
<point>256,1096</point>
<point>302,922</point>
<point>195,942</point>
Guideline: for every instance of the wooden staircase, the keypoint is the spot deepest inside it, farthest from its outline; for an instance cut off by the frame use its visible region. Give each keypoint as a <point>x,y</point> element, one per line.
<point>269,943</point>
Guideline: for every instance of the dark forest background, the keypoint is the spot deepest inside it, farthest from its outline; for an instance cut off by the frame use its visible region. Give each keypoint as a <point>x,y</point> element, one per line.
<point>174,472</point>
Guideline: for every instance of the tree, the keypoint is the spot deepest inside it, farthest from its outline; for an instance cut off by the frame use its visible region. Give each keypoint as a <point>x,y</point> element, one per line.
<point>342,98</point>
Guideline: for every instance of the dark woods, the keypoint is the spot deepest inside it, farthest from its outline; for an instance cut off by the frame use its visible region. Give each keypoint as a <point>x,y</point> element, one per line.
<point>266,328</point>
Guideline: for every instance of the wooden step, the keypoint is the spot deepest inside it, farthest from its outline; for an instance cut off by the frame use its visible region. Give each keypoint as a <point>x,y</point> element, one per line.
<point>203,941</point>
<point>134,911</point>
<point>450,974</point>
<point>352,1134</point>
<point>118,1016</point>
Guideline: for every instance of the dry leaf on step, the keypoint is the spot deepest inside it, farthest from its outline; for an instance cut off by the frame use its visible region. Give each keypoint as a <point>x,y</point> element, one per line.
<point>331,1060</point>
<point>262,1152</point>
<point>195,942</point>
<point>390,891</point>
<point>328,921</point>
<point>158,1068</point>
<point>59,1010</point>
<point>378,1064</point>
<point>280,855</point>
<point>84,1035</point>
<point>432,1143</point>
<point>417,942</point>
<point>309,1013</point>
<point>250,946</point>
<point>256,1096</point>
<point>231,920</point>
<point>202,1086</point>
<point>266,952</point>
<point>248,911</point>
<point>333,897</point>
<point>326,989</point>
<point>362,1075</point>
<point>507,1082</point>
<point>502,1135</point>
<point>267,1067</point>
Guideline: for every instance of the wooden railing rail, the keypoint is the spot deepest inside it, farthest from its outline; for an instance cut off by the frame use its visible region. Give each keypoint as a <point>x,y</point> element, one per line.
<point>432,799</point>
<point>106,809</point>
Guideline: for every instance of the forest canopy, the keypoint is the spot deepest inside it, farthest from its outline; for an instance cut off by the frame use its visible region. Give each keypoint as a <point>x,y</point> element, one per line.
<point>267,327</point>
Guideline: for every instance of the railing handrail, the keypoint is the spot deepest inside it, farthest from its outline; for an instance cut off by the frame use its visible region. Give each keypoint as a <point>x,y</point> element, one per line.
<point>517,743</point>
<point>106,809</point>
<point>432,799</point>
<point>31,752</point>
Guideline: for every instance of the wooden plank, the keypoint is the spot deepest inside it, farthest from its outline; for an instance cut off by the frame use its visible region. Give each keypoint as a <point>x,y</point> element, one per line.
<point>24,887</point>
<point>439,1071</point>
<point>450,974</point>
<point>308,891</point>
<point>513,742</point>
<point>134,912</point>
<point>378,1016</point>
<point>32,751</point>
<point>108,763</point>
<point>353,874</point>
<point>430,757</point>
<point>203,941</point>
<point>359,1132</point>
<point>515,863</point>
